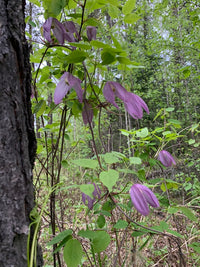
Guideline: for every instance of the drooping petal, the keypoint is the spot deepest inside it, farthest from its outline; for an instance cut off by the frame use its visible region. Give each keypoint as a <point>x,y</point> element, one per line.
<point>62,88</point>
<point>47,29</point>
<point>142,103</point>
<point>97,191</point>
<point>87,113</point>
<point>67,81</point>
<point>138,199</point>
<point>91,33</point>
<point>119,90</point>
<point>90,201</point>
<point>134,105</point>
<point>59,31</point>
<point>79,91</point>
<point>70,26</point>
<point>149,195</point>
<point>109,93</point>
<point>166,158</point>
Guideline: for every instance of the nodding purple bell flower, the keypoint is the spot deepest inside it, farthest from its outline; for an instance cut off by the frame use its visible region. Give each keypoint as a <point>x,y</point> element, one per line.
<point>90,201</point>
<point>87,113</point>
<point>91,33</point>
<point>133,103</point>
<point>142,197</point>
<point>57,28</point>
<point>67,81</point>
<point>166,158</point>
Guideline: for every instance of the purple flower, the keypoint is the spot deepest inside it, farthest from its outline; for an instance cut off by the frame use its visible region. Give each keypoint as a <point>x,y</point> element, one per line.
<point>91,33</point>
<point>142,197</point>
<point>87,113</point>
<point>166,158</point>
<point>133,103</point>
<point>90,201</point>
<point>71,29</point>
<point>58,30</point>
<point>67,81</point>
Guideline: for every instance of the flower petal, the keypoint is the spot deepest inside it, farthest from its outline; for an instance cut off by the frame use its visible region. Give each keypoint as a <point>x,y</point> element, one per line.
<point>109,94</point>
<point>91,33</point>
<point>166,158</point>
<point>47,29</point>
<point>138,199</point>
<point>133,107</point>
<point>62,88</point>
<point>87,113</point>
<point>149,195</point>
<point>59,31</point>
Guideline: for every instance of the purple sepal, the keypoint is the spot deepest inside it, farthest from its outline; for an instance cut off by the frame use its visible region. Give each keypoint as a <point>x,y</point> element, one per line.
<point>67,81</point>
<point>91,33</point>
<point>142,197</point>
<point>87,113</point>
<point>166,158</point>
<point>90,201</point>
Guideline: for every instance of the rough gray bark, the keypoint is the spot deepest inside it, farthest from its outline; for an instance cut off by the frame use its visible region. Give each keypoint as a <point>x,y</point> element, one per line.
<point>17,138</point>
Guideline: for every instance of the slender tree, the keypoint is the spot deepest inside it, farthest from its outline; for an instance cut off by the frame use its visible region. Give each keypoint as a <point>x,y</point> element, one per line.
<point>17,138</point>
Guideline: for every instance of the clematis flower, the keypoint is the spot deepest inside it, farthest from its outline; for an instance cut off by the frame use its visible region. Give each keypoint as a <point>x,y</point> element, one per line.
<point>91,33</point>
<point>90,201</point>
<point>87,113</point>
<point>166,158</point>
<point>142,197</point>
<point>58,30</point>
<point>133,103</point>
<point>67,81</point>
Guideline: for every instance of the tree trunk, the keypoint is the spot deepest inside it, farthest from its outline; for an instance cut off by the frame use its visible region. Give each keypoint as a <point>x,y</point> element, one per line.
<point>17,138</point>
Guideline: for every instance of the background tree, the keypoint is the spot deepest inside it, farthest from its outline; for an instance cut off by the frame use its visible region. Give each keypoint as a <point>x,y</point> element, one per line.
<point>17,138</point>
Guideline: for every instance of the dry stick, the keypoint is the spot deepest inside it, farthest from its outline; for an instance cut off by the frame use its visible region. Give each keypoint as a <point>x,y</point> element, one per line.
<point>121,243</point>
<point>99,130</point>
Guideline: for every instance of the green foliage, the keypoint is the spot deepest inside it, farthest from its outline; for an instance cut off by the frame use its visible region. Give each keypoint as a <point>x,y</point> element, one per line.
<point>73,253</point>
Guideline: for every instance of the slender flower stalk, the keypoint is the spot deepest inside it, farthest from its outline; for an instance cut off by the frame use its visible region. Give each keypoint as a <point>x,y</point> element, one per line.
<point>166,158</point>
<point>142,197</point>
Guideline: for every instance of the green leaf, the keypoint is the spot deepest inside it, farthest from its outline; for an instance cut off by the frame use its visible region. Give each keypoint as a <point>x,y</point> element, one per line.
<point>107,58</point>
<point>59,237</point>
<point>76,56</point>
<point>131,18</point>
<point>101,221</point>
<point>128,7</point>
<point>187,212</point>
<point>135,160</point>
<point>113,11</point>
<point>81,45</point>
<point>169,109</point>
<point>101,241</point>
<point>35,2</point>
<point>121,224</point>
<point>98,44</point>
<point>39,108</point>
<point>73,253</point>
<point>191,141</point>
<point>142,133</point>
<point>174,233</point>
<point>87,189</point>
<point>86,163</point>
<point>138,233</point>
<point>195,246</point>
<point>109,178</point>
<point>87,234</point>
<point>110,158</point>
<point>54,7</point>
